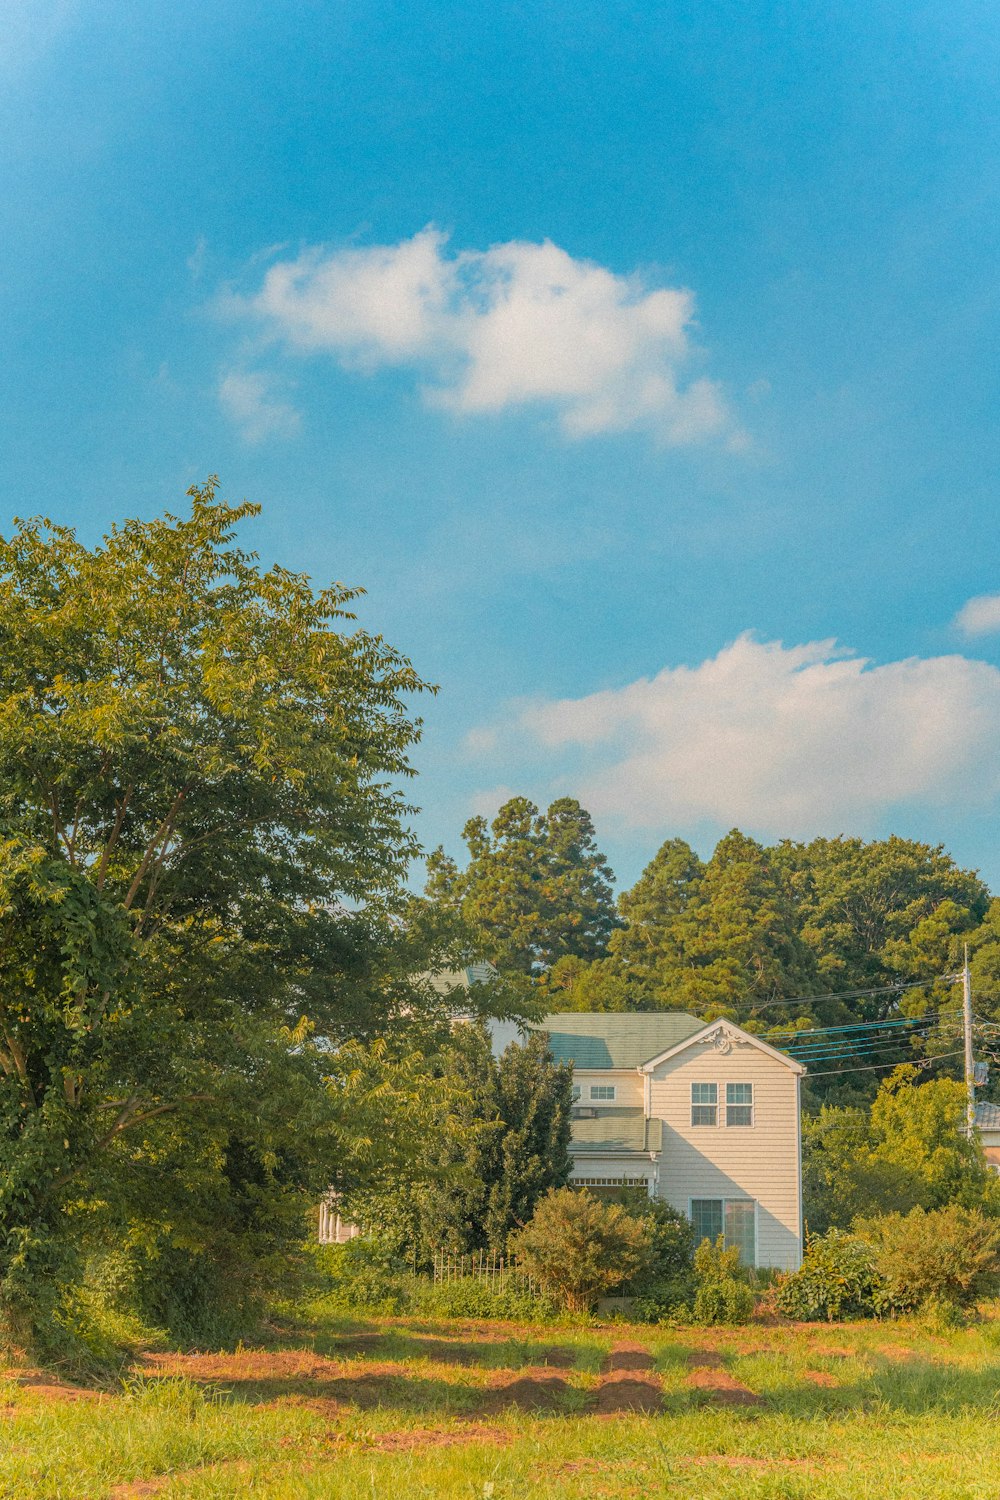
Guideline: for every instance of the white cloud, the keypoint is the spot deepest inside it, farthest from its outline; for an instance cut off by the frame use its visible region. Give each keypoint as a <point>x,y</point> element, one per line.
<point>793,740</point>
<point>515,325</point>
<point>247,398</point>
<point>980,616</point>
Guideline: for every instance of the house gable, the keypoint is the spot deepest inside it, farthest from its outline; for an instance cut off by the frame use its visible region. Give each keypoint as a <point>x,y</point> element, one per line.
<point>722,1035</point>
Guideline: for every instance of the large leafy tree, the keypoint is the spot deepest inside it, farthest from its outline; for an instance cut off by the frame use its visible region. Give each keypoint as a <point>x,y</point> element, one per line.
<point>536,887</point>
<point>500,1141</point>
<point>204,840</point>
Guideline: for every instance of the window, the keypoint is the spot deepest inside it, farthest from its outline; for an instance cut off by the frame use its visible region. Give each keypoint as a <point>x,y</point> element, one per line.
<point>739,1103</point>
<point>704,1104</point>
<point>733,1218</point>
<point>576,1092</point>
<point>603,1091</point>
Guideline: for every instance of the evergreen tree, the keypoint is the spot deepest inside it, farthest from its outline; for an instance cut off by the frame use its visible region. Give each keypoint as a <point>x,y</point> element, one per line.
<point>536,887</point>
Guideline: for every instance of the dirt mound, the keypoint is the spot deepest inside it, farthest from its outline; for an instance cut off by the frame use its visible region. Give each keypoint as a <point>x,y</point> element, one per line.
<point>534,1392</point>
<point>820,1377</point>
<point>628,1357</point>
<point>721,1386</point>
<point>623,1394</point>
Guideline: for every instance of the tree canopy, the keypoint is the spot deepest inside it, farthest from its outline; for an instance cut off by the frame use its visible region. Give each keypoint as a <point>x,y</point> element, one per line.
<point>536,887</point>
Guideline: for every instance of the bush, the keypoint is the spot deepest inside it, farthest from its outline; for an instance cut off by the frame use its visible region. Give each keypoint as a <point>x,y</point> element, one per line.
<point>667,1301</point>
<point>945,1256</point>
<point>838,1278</point>
<point>473,1297</point>
<point>725,1300</point>
<point>579,1248</point>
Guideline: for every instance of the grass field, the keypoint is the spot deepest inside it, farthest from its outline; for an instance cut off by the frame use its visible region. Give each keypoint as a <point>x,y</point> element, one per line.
<point>411,1408</point>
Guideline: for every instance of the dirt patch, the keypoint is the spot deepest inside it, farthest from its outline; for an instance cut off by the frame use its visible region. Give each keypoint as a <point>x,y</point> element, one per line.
<point>820,1377</point>
<point>896,1351</point>
<point>557,1357</point>
<point>56,1390</point>
<point>438,1437</point>
<point>832,1351</point>
<point>623,1394</point>
<point>534,1392</point>
<point>705,1359</point>
<point>628,1357</point>
<point>722,1387</point>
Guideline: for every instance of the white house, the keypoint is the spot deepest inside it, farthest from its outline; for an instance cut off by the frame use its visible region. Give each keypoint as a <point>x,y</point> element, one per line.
<point>705,1116</point>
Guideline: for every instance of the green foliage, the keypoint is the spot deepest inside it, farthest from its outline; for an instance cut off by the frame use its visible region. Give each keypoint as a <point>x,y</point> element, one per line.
<point>910,1150</point>
<point>536,887</point>
<point>725,1300</point>
<point>948,1257</point>
<point>370,1275</point>
<point>838,1278</point>
<point>201,862</point>
<point>496,1139</point>
<point>713,1262</point>
<point>578,1248</point>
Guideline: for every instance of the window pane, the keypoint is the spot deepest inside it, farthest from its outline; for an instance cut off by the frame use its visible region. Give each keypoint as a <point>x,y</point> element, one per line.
<point>740,1228</point>
<point>704,1098</point>
<point>739,1103</point>
<point>707,1218</point>
<point>602,1091</point>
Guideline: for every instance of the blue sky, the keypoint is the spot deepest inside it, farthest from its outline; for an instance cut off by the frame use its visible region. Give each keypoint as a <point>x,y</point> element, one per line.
<point>616,496</point>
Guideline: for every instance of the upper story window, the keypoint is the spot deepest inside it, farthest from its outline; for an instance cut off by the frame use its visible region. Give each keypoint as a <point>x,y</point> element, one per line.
<point>575,1095</point>
<point>603,1093</point>
<point>739,1103</point>
<point>704,1104</point>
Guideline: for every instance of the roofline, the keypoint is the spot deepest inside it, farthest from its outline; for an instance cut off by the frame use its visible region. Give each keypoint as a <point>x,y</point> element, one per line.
<point>731,1029</point>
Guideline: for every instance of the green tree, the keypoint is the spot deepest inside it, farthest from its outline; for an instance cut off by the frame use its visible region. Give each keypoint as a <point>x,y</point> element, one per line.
<point>536,887</point>
<point>910,1150</point>
<point>198,766</point>
<point>500,1139</point>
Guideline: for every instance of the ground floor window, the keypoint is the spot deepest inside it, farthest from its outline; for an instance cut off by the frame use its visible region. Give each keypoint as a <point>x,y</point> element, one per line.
<point>733,1218</point>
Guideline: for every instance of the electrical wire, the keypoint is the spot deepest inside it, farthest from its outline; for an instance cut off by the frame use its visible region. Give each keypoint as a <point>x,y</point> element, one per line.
<point>924,1062</point>
<point>824,1039</point>
<point>855,1026</point>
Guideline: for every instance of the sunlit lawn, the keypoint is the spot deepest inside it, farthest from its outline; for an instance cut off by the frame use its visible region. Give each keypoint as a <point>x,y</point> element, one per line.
<point>416,1408</point>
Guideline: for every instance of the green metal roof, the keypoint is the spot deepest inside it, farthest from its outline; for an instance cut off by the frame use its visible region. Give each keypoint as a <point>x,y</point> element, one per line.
<point>609,1039</point>
<point>617,1130</point>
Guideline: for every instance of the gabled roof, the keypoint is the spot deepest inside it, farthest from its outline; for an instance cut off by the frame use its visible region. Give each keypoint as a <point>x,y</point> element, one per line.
<point>722,1031</point>
<point>611,1039</point>
<point>988,1116</point>
<point>616,1130</point>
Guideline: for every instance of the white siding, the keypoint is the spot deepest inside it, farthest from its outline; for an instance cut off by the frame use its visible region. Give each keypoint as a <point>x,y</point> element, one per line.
<point>628,1084</point>
<point>760,1161</point>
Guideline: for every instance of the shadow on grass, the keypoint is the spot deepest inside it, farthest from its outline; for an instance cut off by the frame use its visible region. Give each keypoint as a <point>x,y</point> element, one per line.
<point>507,1354</point>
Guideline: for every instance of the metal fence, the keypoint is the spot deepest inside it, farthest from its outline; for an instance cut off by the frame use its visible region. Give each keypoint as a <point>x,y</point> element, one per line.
<point>497,1271</point>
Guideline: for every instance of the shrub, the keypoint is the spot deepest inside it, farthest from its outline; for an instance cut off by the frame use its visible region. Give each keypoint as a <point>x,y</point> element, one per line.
<point>473,1297</point>
<point>724,1300</point>
<point>579,1248</point>
<point>671,1244</point>
<point>945,1256</point>
<point>838,1278</point>
<point>666,1301</point>
<point>713,1262</point>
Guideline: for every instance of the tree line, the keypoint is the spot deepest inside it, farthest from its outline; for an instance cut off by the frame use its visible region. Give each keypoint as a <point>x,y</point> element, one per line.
<point>217,992</point>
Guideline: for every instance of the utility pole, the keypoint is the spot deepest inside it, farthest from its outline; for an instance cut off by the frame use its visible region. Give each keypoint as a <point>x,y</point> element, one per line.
<point>970,1069</point>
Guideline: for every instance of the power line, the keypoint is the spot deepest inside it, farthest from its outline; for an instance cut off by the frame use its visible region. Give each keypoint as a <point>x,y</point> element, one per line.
<point>887,989</point>
<point>924,1062</point>
<point>856,1025</point>
<point>823,1040</point>
<point>866,1051</point>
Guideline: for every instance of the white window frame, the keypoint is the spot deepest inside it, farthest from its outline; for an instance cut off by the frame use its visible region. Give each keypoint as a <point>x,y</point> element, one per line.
<point>743,1104</point>
<point>724,1201</point>
<point>712,1104</point>
<point>603,1093</point>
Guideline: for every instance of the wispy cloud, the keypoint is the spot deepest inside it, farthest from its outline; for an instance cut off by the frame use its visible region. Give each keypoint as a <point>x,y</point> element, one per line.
<point>517,325</point>
<point>979,616</point>
<point>249,400</point>
<point>792,740</point>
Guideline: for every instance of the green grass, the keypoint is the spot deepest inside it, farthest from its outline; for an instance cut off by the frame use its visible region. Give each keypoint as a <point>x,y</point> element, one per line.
<point>406,1406</point>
